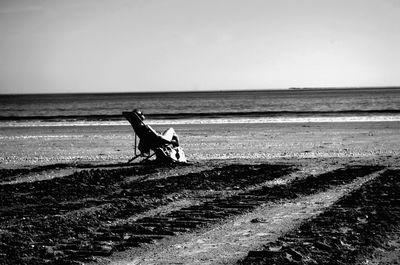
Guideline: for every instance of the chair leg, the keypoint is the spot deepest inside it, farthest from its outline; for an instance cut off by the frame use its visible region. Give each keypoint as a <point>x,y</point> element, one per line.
<point>133,158</point>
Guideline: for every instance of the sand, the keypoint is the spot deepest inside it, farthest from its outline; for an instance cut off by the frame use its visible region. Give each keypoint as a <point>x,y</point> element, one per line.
<point>247,186</point>
<point>99,144</point>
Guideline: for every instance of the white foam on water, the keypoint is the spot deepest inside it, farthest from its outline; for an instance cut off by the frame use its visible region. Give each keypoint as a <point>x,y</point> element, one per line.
<point>247,120</point>
<point>281,120</point>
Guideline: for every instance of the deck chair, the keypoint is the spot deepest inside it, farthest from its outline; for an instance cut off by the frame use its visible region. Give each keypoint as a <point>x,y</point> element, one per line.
<point>151,143</point>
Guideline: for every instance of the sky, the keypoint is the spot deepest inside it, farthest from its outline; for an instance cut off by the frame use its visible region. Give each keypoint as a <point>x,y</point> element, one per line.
<point>59,46</point>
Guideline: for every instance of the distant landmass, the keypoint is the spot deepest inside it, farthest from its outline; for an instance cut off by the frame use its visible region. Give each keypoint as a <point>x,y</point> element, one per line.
<point>353,88</point>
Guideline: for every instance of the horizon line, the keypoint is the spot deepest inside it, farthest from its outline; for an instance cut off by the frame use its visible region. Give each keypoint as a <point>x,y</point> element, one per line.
<point>208,91</point>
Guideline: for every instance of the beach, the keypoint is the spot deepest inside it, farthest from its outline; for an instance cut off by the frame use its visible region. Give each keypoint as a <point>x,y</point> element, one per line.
<point>199,132</point>
<point>288,177</point>
<point>69,191</point>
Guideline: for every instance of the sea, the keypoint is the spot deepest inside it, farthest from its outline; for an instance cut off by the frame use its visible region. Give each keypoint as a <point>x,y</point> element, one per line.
<point>255,106</point>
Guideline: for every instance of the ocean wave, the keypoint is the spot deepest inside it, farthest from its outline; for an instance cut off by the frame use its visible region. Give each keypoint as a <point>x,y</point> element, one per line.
<point>226,120</point>
<point>204,115</point>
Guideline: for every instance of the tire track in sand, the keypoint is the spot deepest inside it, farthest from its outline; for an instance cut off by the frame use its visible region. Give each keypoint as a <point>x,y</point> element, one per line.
<point>231,241</point>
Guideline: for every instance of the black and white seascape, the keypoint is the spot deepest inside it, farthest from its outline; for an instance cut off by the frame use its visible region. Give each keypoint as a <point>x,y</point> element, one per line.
<point>199,132</point>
